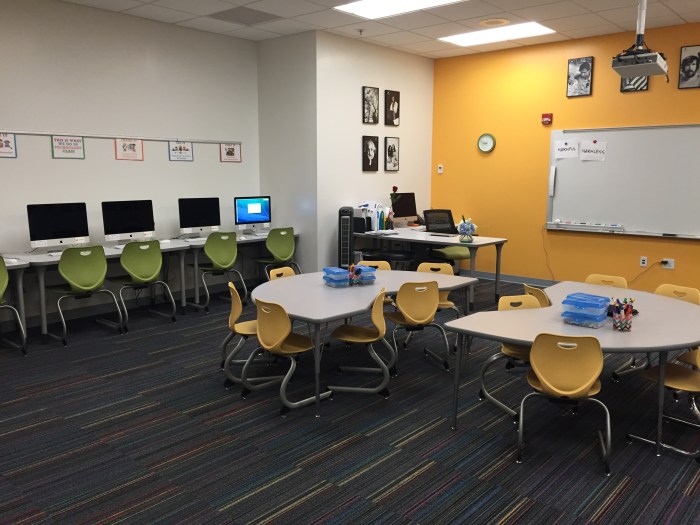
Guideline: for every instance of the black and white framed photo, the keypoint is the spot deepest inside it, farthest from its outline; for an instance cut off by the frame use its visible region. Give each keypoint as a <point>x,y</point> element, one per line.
<point>370,105</point>
<point>392,101</point>
<point>580,77</point>
<point>689,75</point>
<point>632,84</point>
<point>370,146</point>
<point>391,153</point>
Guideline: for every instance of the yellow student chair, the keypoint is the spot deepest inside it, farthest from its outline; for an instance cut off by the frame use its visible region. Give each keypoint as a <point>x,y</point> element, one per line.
<point>441,221</point>
<point>539,294</point>
<point>4,281</point>
<point>84,270</point>
<point>566,369</point>
<point>276,337</point>
<point>282,271</point>
<point>691,295</point>
<point>417,304</point>
<point>516,355</point>
<point>367,335</point>
<point>379,265</point>
<point>142,261</point>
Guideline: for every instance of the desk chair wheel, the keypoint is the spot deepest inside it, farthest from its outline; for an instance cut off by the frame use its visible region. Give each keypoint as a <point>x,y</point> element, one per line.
<point>244,393</point>
<point>482,396</point>
<point>384,393</point>
<point>284,410</point>
<point>228,384</point>
<point>393,372</point>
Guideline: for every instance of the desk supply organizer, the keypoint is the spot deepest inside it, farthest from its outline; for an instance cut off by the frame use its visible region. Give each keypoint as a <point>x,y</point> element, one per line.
<point>585,310</point>
<point>622,313</point>
<point>355,275</point>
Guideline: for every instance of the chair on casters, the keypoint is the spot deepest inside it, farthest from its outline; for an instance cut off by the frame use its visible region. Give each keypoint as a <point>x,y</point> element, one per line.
<point>84,270</point>
<point>566,369</point>
<point>4,281</point>
<point>367,335</point>
<point>143,262</point>
<point>517,355</point>
<point>417,304</point>
<point>631,364</point>
<point>280,243</point>
<point>538,293</point>
<point>222,250</point>
<point>276,337</point>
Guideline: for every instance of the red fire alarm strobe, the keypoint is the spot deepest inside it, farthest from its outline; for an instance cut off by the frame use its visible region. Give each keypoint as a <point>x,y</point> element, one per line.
<point>547,119</point>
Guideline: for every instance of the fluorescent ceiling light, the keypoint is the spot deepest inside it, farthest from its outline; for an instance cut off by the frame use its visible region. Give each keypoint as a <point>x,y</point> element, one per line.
<point>498,34</point>
<point>373,9</point>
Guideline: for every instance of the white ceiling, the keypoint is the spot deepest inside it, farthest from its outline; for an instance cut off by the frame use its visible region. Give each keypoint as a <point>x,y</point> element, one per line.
<point>415,32</point>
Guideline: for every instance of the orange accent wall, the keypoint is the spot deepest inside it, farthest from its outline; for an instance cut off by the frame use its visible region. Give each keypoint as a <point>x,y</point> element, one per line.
<point>505,192</point>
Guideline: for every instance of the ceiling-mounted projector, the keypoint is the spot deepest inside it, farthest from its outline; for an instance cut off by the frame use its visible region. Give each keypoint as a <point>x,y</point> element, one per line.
<point>630,64</point>
<point>639,60</point>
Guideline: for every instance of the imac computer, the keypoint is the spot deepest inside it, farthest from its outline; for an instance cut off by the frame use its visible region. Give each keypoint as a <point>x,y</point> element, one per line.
<point>128,220</point>
<point>199,215</point>
<point>252,213</point>
<point>52,225</point>
<point>404,209</point>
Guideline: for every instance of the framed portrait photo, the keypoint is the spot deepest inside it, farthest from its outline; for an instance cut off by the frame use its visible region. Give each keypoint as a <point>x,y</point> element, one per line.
<point>632,84</point>
<point>579,80</point>
<point>391,154</point>
<point>392,102</point>
<point>370,105</point>
<point>689,74</point>
<point>370,147</point>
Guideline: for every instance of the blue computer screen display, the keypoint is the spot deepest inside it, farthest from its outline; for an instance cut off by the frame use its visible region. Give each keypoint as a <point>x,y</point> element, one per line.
<point>252,210</point>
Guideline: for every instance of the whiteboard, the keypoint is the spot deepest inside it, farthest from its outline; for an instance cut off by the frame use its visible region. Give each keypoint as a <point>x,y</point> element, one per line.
<point>647,183</point>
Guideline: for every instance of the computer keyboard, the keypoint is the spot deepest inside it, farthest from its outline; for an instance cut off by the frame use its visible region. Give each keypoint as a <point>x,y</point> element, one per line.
<point>437,234</point>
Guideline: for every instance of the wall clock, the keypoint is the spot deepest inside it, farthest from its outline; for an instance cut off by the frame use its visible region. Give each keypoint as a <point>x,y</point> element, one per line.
<point>486,143</point>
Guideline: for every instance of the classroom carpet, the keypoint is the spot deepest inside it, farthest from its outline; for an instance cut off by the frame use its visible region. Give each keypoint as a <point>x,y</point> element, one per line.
<point>139,428</point>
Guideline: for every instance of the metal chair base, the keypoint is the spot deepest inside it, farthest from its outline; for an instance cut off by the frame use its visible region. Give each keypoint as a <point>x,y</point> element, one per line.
<point>383,369</point>
<point>22,345</point>
<point>111,324</point>
<point>166,292</point>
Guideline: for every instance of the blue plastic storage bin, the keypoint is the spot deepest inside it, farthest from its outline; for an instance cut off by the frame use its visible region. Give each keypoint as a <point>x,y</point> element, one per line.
<point>586,304</point>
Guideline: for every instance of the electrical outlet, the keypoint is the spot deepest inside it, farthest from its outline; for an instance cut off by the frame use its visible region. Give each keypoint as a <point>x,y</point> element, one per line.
<point>643,261</point>
<point>668,264</point>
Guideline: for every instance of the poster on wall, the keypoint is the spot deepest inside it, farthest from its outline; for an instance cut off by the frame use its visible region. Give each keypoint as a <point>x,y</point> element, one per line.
<point>179,150</point>
<point>8,146</point>
<point>370,145</point>
<point>128,149</point>
<point>230,152</point>
<point>64,147</point>
<point>391,154</point>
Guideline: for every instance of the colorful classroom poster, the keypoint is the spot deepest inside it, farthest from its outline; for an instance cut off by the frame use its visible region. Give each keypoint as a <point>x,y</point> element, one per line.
<point>128,149</point>
<point>63,147</point>
<point>8,146</point>
<point>179,150</point>
<point>230,152</point>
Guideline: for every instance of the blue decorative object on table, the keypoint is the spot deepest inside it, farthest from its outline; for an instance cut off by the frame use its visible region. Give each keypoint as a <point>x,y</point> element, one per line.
<point>466,229</point>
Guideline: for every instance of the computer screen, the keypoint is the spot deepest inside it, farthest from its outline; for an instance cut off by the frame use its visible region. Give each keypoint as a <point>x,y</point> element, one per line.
<point>199,214</point>
<point>57,224</point>
<point>251,211</point>
<point>124,220</point>
<point>405,205</point>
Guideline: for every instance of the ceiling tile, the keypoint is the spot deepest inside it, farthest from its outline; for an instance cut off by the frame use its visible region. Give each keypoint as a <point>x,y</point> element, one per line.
<point>471,9</point>
<point>368,28</point>
<point>109,5</point>
<point>413,20</point>
<point>212,25</point>
<point>547,12</point>
<point>441,30</point>
<point>285,26</point>
<point>252,33</point>
<point>196,7</point>
<point>327,18</point>
<point>399,38</point>
<point>285,8</point>
<point>161,14</point>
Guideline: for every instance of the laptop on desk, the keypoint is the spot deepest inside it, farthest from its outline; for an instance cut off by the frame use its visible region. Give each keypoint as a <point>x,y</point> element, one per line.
<point>440,223</point>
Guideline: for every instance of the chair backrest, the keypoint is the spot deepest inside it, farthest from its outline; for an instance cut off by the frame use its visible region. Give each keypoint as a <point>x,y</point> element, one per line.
<point>439,221</point>
<point>273,325</point>
<point>437,267</point>
<point>418,302</point>
<point>607,280</point>
<point>280,243</point>
<point>377,265</point>
<point>84,269</point>
<point>539,293</point>
<point>222,249</point>
<point>4,278</point>
<point>516,302</point>
<point>378,313</point>
<point>142,260</point>
<point>236,306</point>
<point>284,271</point>
<point>566,366</point>
<point>684,293</point>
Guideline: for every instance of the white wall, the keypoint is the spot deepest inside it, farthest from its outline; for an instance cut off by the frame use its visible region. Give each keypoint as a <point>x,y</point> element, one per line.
<point>77,70</point>
<point>344,66</point>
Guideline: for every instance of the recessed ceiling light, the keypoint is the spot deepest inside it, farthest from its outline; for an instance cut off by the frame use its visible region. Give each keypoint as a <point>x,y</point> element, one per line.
<point>499,34</point>
<point>374,9</point>
<point>494,22</point>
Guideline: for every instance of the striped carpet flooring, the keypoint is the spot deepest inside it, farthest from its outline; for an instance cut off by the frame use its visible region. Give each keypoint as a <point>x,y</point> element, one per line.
<point>138,428</point>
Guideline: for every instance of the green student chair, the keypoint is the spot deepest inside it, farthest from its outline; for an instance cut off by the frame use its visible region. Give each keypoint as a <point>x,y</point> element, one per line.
<point>84,270</point>
<point>143,261</point>
<point>4,281</point>
<point>441,221</point>
<point>222,250</point>
<point>280,243</point>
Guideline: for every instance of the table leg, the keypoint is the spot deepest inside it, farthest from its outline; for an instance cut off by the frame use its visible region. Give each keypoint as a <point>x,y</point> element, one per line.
<point>19,288</point>
<point>183,284</point>
<point>499,247</point>
<point>472,271</point>
<point>663,356</point>
<point>41,277</point>
<point>317,366</point>
<point>455,388</point>
<point>196,275</point>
